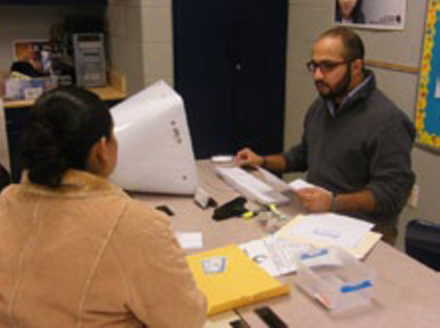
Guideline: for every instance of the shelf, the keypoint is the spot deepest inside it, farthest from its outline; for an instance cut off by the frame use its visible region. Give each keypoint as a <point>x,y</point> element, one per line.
<point>115,91</point>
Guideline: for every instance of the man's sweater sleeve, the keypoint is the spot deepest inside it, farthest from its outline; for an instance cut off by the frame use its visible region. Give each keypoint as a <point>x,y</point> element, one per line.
<point>391,174</point>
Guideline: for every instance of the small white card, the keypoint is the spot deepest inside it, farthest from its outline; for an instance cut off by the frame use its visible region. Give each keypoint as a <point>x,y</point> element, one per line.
<point>300,184</point>
<point>190,240</point>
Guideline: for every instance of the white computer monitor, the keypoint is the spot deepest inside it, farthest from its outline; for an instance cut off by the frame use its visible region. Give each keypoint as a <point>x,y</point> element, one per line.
<point>155,150</point>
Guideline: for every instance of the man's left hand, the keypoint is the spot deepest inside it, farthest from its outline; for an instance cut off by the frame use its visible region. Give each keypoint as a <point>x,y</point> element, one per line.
<point>315,199</point>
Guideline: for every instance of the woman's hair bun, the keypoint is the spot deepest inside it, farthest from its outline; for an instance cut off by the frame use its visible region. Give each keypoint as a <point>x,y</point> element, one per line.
<point>64,124</point>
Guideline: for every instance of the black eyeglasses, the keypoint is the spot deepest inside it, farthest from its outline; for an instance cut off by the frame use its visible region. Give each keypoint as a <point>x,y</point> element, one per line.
<point>325,66</point>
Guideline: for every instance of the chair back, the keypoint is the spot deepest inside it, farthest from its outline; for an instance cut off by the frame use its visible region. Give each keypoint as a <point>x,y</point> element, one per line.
<point>422,242</point>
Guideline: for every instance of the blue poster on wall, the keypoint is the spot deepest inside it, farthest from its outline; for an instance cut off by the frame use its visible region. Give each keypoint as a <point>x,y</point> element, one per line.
<point>428,104</point>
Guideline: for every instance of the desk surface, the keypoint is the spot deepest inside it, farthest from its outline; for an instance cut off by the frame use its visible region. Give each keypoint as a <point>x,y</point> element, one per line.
<point>407,294</point>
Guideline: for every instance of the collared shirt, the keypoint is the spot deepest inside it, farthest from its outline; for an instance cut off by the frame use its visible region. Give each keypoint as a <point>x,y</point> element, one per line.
<point>333,108</point>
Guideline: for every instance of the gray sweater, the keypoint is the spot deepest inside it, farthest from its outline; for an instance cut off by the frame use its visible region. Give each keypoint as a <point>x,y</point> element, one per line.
<point>367,144</point>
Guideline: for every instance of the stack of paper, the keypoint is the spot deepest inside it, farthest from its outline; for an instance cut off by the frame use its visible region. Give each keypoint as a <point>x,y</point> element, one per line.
<point>230,279</point>
<point>328,229</point>
<point>274,255</point>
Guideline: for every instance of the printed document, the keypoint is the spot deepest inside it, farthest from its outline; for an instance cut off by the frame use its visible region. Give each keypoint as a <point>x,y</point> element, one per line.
<point>274,256</point>
<point>328,229</point>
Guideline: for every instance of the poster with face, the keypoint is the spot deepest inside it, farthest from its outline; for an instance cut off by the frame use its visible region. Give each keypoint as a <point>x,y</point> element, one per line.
<point>35,52</point>
<point>377,14</point>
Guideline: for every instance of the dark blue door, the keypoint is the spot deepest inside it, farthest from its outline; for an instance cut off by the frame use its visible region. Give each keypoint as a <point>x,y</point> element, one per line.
<point>230,69</point>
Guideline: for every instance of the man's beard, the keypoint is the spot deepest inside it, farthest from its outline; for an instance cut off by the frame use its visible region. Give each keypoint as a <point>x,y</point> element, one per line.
<point>340,89</point>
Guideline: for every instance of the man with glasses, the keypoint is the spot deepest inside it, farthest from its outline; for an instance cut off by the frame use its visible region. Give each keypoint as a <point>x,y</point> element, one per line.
<point>356,143</point>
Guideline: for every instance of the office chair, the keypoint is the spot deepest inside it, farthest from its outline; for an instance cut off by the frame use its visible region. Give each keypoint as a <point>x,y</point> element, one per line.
<point>422,242</point>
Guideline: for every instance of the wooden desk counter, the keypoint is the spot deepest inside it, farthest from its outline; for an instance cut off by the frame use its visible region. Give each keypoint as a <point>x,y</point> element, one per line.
<point>189,217</point>
<point>407,294</point>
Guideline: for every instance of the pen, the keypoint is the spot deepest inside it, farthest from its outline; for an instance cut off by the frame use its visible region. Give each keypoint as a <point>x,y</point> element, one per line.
<point>273,208</point>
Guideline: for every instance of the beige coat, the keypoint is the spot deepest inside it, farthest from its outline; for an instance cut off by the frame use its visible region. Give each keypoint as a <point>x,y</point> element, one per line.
<point>87,255</point>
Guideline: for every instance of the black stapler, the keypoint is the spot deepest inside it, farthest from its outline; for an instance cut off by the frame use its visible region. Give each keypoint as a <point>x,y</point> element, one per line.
<point>230,209</point>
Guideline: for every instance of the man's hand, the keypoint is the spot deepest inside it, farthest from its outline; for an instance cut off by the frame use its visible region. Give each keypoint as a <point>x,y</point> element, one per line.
<point>246,157</point>
<point>315,199</point>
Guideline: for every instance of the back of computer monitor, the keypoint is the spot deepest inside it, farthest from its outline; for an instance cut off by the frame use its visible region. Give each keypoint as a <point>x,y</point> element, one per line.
<point>155,152</point>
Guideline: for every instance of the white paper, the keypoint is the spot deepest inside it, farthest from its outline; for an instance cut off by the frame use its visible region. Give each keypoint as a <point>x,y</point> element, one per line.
<point>190,240</point>
<point>281,186</point>
<point>321,257</point>
<point>331,229</point>
<point>300,184</point>
<point>274,256</point>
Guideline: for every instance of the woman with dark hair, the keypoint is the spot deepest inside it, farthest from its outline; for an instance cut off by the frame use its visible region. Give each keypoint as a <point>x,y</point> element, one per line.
<point>349,11</point>
<point>75,250</point>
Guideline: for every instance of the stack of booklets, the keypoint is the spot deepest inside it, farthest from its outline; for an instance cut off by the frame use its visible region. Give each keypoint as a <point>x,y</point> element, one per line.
<point>230,279</point>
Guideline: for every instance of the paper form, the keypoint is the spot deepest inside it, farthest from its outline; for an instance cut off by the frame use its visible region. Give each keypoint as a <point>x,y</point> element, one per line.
<point>274,256</point>
<point>330,229</point>
<point>367,242</point>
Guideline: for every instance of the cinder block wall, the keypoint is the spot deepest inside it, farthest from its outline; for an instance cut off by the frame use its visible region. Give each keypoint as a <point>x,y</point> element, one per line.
<point>140,40</point>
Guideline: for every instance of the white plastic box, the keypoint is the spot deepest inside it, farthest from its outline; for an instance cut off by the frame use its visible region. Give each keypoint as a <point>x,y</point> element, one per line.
<point>335,278</point>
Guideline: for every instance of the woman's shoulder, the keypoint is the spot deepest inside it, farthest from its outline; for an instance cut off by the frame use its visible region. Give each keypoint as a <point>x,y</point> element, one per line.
<point>140,217</point>
<point>143,230</point>
<point>10,192</point>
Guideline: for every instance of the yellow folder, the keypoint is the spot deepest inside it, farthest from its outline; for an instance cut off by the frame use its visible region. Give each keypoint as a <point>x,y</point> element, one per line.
<point>230,279</point>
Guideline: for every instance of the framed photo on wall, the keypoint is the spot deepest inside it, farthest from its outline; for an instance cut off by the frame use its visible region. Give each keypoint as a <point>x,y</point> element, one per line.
<point>374,14</point>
